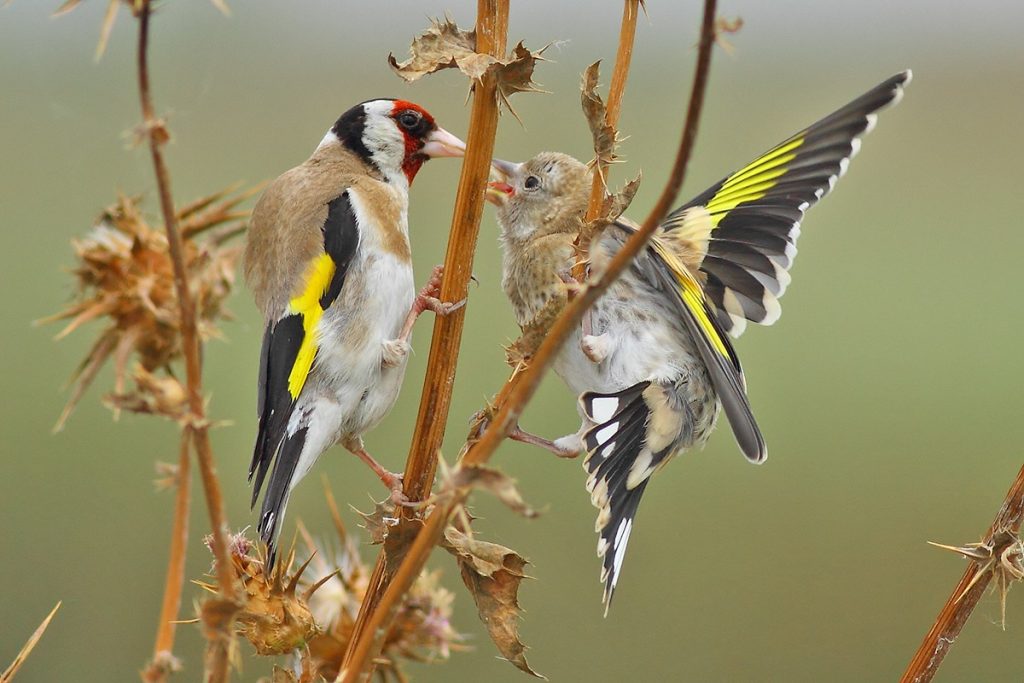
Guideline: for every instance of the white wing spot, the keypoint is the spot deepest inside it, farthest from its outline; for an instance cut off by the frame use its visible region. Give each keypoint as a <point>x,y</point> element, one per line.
<point>603,407</point>
<point>608,432</point>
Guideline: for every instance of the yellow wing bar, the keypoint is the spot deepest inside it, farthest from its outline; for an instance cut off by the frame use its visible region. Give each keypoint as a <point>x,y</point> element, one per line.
<point>753,181</point>
<point>692,295</point>
<point>307,304</point>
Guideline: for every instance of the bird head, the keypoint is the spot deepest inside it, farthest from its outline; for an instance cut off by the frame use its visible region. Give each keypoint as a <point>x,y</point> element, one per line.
<point>545,195</point>
<point>394,136</point>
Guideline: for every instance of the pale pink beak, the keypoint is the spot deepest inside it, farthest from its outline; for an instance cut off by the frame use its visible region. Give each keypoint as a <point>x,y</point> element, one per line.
<point>508,170</point>
<point>441,143</point>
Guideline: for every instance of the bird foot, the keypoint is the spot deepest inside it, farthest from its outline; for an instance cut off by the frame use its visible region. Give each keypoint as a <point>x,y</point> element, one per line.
<point>432,303</point>
<point>394,352</point>
<point>427,299</point>
<point>393,480</point>
<point>596,347</point>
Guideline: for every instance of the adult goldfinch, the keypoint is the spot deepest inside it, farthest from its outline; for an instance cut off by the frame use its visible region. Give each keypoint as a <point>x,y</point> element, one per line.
<point>653,361</point>
<point>328,262</point>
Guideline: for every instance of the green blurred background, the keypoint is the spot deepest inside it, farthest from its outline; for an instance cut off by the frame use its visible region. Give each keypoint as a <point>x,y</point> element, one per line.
<point>889,393</point>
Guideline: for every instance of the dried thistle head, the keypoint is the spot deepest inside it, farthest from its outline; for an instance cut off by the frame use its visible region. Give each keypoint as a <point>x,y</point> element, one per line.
<point>421,630</point>
<point>275,617</point>
<point>125,277</point>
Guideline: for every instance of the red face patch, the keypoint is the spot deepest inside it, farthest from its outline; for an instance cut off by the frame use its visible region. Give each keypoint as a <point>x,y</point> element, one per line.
<point>414,138</point>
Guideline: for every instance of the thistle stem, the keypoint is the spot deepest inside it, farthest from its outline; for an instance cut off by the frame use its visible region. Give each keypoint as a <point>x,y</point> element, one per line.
<point>157,670</point>
<point>220,642</point>
<point>965,597</point>
<point>439,382</point>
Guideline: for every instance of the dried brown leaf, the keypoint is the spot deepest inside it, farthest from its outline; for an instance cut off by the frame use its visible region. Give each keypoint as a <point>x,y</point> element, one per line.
<point>442,46</point>
<point>615,204</point>
<point>378,524</point>
<point>8,675</point>
<point>499,484</point>
<point>445,46</point>
<point>523,348</point>
<point>604,135</point>
<point>516,74</point>
<point>492,573</point>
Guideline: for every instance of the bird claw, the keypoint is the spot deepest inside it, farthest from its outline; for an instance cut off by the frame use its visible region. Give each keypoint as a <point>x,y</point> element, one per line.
<point>427,299</point>
<point>393,480</point>
<point>433,286</point>
<point>443,307</point>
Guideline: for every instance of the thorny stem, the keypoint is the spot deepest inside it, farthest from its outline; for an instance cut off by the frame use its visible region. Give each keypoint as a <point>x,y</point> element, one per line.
<point>220,644</point>
<point>428,435</point>
<point>616,89</point>
<point>521,387</point>
<point>961,604</point>
<point>158,668</point>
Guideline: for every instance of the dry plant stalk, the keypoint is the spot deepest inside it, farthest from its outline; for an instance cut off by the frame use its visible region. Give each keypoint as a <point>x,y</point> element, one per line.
<point>217,615</point>
<point>998,556</point>
<point>604,122</point>
<point>164,662</point>
<point>524,382</point>
<point>8,674</point>
<point>438,384</point>
<point>616,89</point>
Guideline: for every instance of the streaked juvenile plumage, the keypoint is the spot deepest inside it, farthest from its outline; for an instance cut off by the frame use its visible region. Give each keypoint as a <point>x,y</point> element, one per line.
<point>653,362</point>
<point>328,262</point>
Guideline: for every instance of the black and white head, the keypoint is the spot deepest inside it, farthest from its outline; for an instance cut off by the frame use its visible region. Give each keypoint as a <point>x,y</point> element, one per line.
<point>545,195</point>
<point>394,136</point>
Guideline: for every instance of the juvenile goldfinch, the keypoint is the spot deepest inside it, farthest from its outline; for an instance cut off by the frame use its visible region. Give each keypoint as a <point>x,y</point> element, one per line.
<point>328,262</point>
<point>653,362</point>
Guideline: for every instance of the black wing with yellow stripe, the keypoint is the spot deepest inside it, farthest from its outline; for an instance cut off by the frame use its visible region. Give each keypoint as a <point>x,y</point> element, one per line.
<point>289,349</point>
<point>664,270</point>
<point>755,213</point>
<point>714,348</point>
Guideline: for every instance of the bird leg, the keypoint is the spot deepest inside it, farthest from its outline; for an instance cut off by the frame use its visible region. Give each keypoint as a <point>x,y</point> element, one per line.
<point>560,447</point>
<point>596,347</point>
<point>395,350</point>
<point>392,480</point>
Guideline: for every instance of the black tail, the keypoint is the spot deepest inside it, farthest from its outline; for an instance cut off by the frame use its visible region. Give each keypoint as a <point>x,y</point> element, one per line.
<point>276,499</point>
<point>614,445</point>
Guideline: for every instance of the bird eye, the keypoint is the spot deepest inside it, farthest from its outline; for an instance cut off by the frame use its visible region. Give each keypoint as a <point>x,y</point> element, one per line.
<point>531,183</point>
<point>409,119</point>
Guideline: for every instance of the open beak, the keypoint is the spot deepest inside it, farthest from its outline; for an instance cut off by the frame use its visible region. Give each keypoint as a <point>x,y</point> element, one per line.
<point>441,143</point>
<point>501,190</point>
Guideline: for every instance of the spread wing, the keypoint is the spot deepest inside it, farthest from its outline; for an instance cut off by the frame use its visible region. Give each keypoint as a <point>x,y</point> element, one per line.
<point>751,219</point>
<point>663,269</point>
<point>289,349</point>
